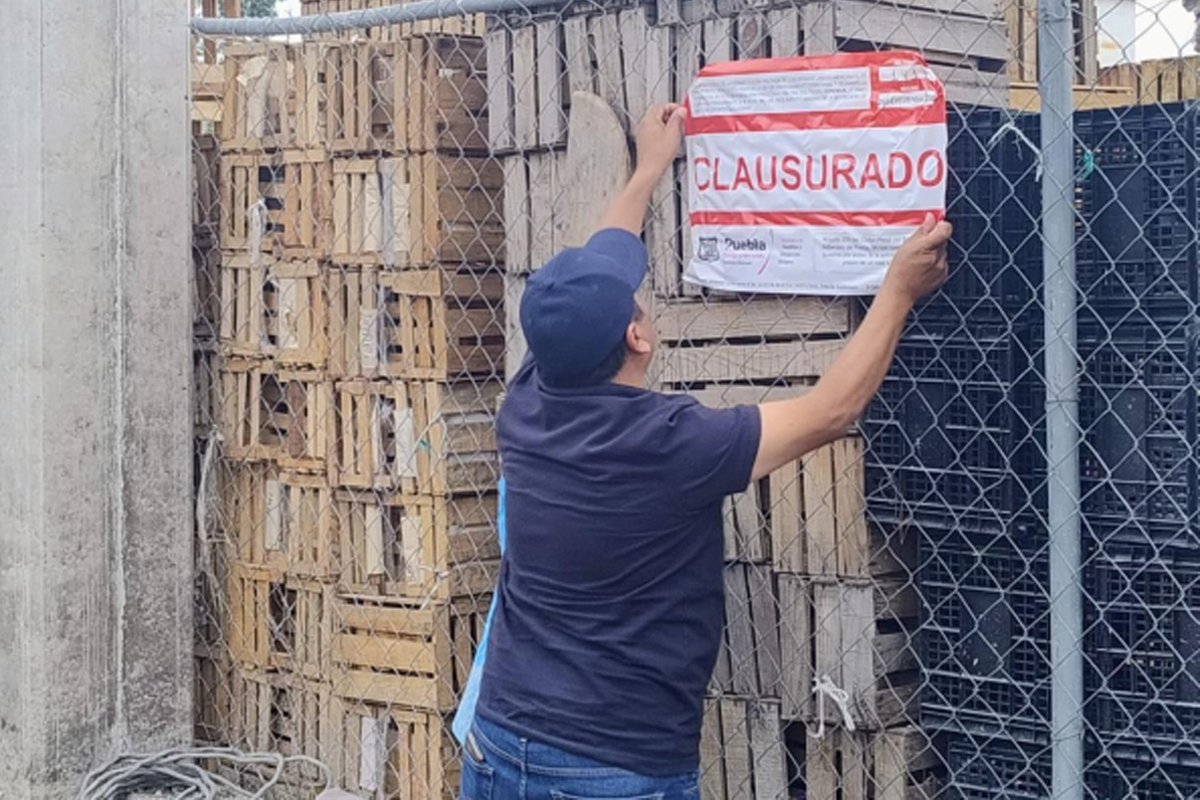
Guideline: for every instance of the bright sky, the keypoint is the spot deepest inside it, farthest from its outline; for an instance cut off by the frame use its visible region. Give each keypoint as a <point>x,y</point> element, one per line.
<point>1165,29</point>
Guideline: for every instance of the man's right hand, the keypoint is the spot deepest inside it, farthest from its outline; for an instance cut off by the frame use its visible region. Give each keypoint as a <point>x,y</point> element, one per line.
<point>658,137</point>
<point>919,266</point>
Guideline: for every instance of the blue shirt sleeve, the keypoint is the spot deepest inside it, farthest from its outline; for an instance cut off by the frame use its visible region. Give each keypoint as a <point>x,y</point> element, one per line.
<point>712,452</point>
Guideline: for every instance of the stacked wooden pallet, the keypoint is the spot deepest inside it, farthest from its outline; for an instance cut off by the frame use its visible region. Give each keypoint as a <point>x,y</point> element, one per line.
<point>360,333</point>
<point>1166,80</point>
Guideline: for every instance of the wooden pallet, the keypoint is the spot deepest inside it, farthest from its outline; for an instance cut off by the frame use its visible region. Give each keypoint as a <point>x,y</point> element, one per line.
<point>381,752</point>
<point>861,636</point>
<point>1165,80</point>
<point>533,69</point>
<point>243,304</point>
<point>300,204</point>
<point>301,426</point>
<point>441,95</point>
<point>424,547</point>
<point>244,408</point>
<point>303,522</point>
<point>897,764</point>
<point>256,617</point>
<point>781,340</point>
<point>417,210</point>
<point>278,622</point>
<point>245,181</point>
<point>749,663</point>
<point>533,218</point>
<point>417,437</point>
<point>255,113</point>
<point>297,314</point>
<point>281,713</point>
<point>433,324</point>
<point>252,515</point>
<point>406,653</point>
<point>742,752</point>
<point>271,308</point>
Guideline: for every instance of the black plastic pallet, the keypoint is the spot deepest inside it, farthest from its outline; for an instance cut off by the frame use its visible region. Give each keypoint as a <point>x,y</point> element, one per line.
<point>986,769</point>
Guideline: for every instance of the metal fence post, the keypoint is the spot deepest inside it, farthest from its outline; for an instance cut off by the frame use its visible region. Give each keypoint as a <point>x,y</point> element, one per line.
<point>1055,79</point>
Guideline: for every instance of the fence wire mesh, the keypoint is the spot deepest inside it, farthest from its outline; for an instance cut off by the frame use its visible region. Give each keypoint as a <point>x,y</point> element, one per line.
<point>368,206</point>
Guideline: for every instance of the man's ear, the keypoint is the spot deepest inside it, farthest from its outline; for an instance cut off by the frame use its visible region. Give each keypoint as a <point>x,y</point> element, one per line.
<point>635,341</point>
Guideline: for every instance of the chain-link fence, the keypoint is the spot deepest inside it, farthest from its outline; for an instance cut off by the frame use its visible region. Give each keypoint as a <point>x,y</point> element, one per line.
<point>368,207</point>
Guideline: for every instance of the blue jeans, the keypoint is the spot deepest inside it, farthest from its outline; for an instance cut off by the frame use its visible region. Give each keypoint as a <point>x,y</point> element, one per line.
<point>498,765</point>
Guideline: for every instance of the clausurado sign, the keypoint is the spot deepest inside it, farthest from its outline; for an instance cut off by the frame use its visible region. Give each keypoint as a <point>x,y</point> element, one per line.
<point>805,174</point>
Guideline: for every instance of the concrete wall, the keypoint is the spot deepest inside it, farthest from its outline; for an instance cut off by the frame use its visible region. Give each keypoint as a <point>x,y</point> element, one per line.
<point>95,439</point>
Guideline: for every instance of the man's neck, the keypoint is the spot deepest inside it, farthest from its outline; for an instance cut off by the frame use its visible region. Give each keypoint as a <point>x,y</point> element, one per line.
<point>631,375</point>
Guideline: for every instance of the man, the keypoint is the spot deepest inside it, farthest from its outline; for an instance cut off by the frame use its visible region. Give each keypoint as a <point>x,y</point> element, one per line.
<point>610,602</point>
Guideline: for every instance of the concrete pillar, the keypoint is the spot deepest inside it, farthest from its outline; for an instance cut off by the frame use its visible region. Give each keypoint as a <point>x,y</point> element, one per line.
<point>95,438</point>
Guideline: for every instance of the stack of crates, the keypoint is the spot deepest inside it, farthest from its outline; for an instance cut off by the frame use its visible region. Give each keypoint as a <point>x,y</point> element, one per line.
<point>957,451</point>
<point>361,331</point>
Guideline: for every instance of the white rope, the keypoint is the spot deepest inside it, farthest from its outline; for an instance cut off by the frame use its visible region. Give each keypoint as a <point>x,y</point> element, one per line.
<point>825,687</point>
<point>180,771</point>
<point>258,229</point>
<point>205,496</point>
<point>1009,127</point>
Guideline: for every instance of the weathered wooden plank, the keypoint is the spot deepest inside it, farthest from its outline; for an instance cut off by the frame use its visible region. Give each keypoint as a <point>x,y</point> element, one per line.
<point>712,762</point>
<point>516,214</point>
<point>739,631</point>
<point>718,41</point>
<point>786,510</point>
<point>580,76</point>
<point>765,611</point>
<point>736,736</point>
<point>633,28</point>
<point>796,645</point>
<point>784,29</point>
<point>767,755</point>
<point>853,546</point>
<point>524,60</point>
<point>818,23</point>
<point>724,362</point>
<point>762,316</point>
<point>501,135</point>
<point>610,81</point>
<point>551,70</point>
<point>544,188</point>
<point>688,51</point>
<point>820,523</point>
<point>897,754</point>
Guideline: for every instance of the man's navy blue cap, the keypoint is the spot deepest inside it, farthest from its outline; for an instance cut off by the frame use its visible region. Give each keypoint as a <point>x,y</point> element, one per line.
<point>576,308</point>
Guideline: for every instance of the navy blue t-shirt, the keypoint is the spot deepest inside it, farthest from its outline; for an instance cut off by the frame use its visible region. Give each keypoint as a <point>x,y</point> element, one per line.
<point>610,599</point>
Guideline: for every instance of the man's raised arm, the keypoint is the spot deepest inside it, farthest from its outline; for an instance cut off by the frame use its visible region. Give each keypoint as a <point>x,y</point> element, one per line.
<point>658,137</point>
<point>791,428</point>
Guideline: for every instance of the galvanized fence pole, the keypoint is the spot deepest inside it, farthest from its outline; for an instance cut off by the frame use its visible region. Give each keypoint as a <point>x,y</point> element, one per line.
<point>1056,78</point>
